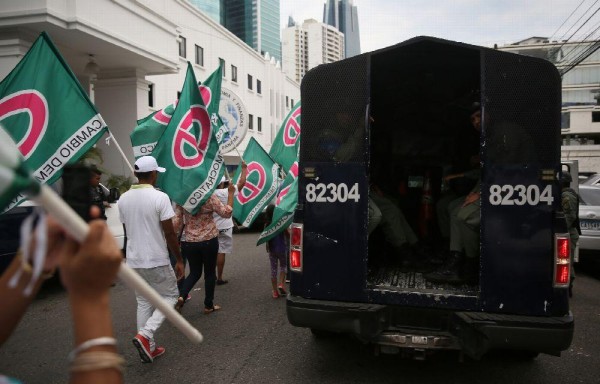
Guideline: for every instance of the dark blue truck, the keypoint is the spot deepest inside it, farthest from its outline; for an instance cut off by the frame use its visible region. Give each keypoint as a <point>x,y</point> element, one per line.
<point>399,117</point>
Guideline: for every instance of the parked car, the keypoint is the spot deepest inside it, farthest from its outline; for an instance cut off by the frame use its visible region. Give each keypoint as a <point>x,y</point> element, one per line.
<point>589,215</point>
<point>592,179</point>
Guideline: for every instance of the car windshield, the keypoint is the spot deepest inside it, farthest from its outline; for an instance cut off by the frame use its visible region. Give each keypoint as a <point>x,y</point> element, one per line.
<point>590,196</point>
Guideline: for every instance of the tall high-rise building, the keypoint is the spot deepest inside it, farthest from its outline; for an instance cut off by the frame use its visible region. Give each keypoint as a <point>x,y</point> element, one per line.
<point>211,7</point>
<point>308,45</point>
<point>343,15</point>
<point>256,22</point>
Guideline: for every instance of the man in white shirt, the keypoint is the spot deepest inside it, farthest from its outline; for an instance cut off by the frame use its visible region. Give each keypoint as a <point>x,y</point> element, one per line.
<point>225,225</point>
<point>146,214</point>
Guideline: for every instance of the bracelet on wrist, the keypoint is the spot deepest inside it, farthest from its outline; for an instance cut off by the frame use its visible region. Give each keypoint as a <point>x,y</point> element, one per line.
<point>99,341</point>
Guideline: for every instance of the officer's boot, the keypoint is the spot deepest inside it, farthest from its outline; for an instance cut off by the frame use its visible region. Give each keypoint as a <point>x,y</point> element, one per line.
<point>450,271</point>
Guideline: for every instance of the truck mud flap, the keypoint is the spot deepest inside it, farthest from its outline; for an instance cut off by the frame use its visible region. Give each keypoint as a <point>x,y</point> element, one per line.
<point>481,332</point>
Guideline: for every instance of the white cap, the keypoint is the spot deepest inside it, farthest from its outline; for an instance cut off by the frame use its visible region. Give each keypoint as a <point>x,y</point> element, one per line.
<point>147,164</point>
<point>223,180</point>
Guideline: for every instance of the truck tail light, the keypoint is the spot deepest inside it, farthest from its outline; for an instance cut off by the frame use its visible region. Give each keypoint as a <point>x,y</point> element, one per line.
<point>562,258</point>
<point>296,247</point>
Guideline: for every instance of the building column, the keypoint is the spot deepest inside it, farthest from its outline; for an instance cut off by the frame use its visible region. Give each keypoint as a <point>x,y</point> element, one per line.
<point>121,97</point>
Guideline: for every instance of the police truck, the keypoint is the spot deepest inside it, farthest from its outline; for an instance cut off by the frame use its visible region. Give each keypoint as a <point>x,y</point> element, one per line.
<point>396,122</point>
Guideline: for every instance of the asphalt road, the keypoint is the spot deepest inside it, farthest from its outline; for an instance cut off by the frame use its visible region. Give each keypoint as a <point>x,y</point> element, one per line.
<point>250,341</point>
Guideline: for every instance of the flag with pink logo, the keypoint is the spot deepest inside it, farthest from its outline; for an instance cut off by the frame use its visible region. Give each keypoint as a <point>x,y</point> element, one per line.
<point>188,149</point>
<point>149,129</point>
<point>210,90</point>
<point>285,206</point>
<point>287,142</point>
<point>260,187</point>
<point>47,113</point>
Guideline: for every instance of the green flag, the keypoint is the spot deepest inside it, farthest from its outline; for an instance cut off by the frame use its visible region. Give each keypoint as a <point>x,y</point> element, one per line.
<point>47,113</point>
<point>149,129</point>
<point>285,205</point>
<point>211,94</point>
<point>188,149</point>
<point>287,142</point>
<point>260,187</point>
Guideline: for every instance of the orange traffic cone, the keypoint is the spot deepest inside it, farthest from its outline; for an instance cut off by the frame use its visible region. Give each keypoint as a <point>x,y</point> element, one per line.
<point>426,209</point>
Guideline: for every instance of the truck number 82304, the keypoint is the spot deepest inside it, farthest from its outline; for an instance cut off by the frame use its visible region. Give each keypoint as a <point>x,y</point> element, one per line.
<point>520,195</point>
<point>331,193</point>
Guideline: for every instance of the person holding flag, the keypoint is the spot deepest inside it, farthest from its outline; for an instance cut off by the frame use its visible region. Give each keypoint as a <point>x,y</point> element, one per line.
<point>225,225</point>
<point>87,272</point>
<point>277,247</point>
<point>201,246</point>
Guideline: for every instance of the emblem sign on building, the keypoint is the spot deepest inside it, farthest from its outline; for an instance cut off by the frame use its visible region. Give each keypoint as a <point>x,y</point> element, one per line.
<point>235,118</point>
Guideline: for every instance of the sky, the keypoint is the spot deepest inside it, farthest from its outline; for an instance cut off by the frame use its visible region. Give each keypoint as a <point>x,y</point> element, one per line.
<point>482,22</point>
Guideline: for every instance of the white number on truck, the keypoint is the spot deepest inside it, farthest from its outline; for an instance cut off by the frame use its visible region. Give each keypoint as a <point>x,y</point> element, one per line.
<point>331,193</point>
<point>520,195</point>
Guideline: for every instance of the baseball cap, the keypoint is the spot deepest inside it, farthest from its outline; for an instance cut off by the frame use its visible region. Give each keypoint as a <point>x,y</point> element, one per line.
<point>147,164</point>
<point>224,180</point>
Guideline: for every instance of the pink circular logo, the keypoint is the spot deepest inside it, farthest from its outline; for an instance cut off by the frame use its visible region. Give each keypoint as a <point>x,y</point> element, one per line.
<point>189,152</point>
<point>254,184</point>
<point>33,103</point>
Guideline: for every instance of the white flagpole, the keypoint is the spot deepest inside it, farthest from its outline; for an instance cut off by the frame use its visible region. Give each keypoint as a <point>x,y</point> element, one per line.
<point>78,228</point>
<point>110,136</point>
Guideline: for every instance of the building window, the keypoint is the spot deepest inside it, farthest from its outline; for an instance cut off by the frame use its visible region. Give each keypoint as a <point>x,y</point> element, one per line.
<point>258,86</point>
<point>222,64</point>
<point>250,122</point>
<point>182,45</point>
<point>259,124</point>
<point>287,101</point>
<point>234,73</point>
<point>250,82</point>
<point>151,95</point>
<point>199,55</point>
<point>565,120</point>
<point>292,104</point>
<point>596,117</point>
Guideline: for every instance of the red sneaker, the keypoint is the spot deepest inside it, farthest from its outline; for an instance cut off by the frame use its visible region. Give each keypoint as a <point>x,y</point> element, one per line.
<point>143,346</point>
<point>275,295</point>
<point>159,351</point>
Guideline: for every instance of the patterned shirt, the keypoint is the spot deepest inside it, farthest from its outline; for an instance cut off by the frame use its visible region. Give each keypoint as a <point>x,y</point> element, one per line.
<point>201,226</point>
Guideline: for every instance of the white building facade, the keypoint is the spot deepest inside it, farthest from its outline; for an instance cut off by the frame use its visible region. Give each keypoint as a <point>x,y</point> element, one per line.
<point>141,48</point>
<point>308,45</point>
<point>580,125</point>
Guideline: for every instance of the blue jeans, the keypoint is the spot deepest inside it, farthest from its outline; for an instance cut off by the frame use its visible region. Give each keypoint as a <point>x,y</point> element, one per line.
<point>201,255</point>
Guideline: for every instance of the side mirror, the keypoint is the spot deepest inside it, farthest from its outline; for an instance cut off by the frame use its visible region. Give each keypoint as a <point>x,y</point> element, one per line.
<point>113,195</point>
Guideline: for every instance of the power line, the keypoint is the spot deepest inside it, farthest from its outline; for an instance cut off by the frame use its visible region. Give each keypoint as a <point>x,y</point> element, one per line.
<point>567,19</point>
<point>575,23</point>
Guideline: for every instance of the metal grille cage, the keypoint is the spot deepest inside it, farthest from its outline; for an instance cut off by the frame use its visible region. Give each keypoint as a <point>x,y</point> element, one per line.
<point>334,102</point>
<point>521,109</point>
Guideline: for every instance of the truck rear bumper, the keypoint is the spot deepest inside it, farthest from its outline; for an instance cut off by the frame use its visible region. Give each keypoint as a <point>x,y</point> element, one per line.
<point>474,333</point>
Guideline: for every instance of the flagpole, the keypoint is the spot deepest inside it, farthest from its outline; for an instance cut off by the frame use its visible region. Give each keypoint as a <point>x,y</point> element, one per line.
<point>78,228</point>
<point>110,136</point>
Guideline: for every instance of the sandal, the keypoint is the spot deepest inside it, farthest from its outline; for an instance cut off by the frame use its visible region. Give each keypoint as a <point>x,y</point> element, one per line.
<point>208,311</point>
<point>282,291</point>
<point>179,304</point>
